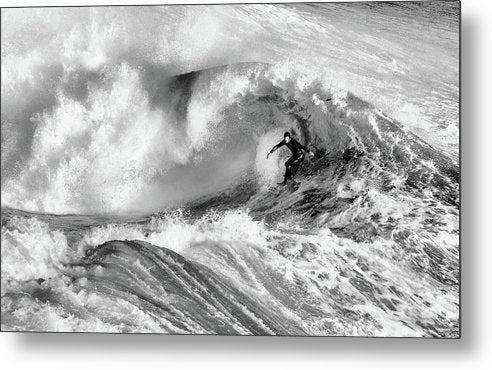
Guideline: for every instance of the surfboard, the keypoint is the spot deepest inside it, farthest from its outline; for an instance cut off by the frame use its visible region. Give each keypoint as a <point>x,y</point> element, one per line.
<point>291,185</point>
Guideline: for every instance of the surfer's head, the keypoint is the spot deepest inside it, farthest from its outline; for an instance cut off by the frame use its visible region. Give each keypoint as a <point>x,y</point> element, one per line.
<point>287,136</point>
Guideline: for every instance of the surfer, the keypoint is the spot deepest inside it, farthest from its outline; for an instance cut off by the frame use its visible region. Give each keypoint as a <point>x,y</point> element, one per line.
<point>295,160</point>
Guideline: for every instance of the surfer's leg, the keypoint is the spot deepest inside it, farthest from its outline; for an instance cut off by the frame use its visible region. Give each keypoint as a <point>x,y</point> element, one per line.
<point>288,167</point>
<point>295,165</point>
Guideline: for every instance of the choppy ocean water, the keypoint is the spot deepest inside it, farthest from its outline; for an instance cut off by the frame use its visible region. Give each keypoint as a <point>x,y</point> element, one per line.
<point>136,196</point>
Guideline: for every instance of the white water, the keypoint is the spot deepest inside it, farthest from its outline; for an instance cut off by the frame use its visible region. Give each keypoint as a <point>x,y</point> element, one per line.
<point>81,93</point>
<point>313,265</point>
<point>93,121</point>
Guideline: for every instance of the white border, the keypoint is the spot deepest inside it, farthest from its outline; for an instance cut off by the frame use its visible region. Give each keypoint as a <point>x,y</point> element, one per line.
<point>90,351</point>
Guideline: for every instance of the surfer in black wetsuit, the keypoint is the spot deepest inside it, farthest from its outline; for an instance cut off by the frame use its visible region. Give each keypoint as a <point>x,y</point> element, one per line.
<point>297,157</point>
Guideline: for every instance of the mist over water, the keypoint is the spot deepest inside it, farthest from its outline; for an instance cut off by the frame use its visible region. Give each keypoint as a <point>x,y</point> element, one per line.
<point>136,196</point>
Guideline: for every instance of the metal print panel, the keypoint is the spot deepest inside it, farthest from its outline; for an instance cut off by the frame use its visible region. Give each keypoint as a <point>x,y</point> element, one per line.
<point>256,169</point>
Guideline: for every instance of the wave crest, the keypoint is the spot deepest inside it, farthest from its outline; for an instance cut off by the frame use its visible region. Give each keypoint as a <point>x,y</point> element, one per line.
<point>140,141</point>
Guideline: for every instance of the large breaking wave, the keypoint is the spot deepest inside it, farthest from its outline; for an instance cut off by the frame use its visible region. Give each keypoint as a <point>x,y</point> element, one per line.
<point>172,139</point>
<point>138,198</point>
<point>364,246</point>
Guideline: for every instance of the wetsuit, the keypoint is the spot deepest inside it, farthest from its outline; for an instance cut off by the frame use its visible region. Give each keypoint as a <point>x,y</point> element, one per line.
<point>295,160</point>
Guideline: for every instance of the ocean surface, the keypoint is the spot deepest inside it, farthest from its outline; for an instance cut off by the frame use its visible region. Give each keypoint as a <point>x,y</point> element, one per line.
<point>136,193</point>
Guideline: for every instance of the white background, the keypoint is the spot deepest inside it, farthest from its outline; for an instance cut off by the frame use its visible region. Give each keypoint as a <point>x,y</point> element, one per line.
<point>473,350</point>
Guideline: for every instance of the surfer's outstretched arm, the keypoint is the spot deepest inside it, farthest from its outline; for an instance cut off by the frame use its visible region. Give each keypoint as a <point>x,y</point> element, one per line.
<point>282,143</point>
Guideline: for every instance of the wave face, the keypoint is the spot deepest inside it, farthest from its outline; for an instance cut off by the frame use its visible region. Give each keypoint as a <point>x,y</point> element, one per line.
<point>93,88</point>
<point>197,134</point>
<point>137,197</point>
<point>224,273</point>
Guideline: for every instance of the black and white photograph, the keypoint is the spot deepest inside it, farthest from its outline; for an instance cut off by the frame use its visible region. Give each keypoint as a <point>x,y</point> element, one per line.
<point>283,169</point>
